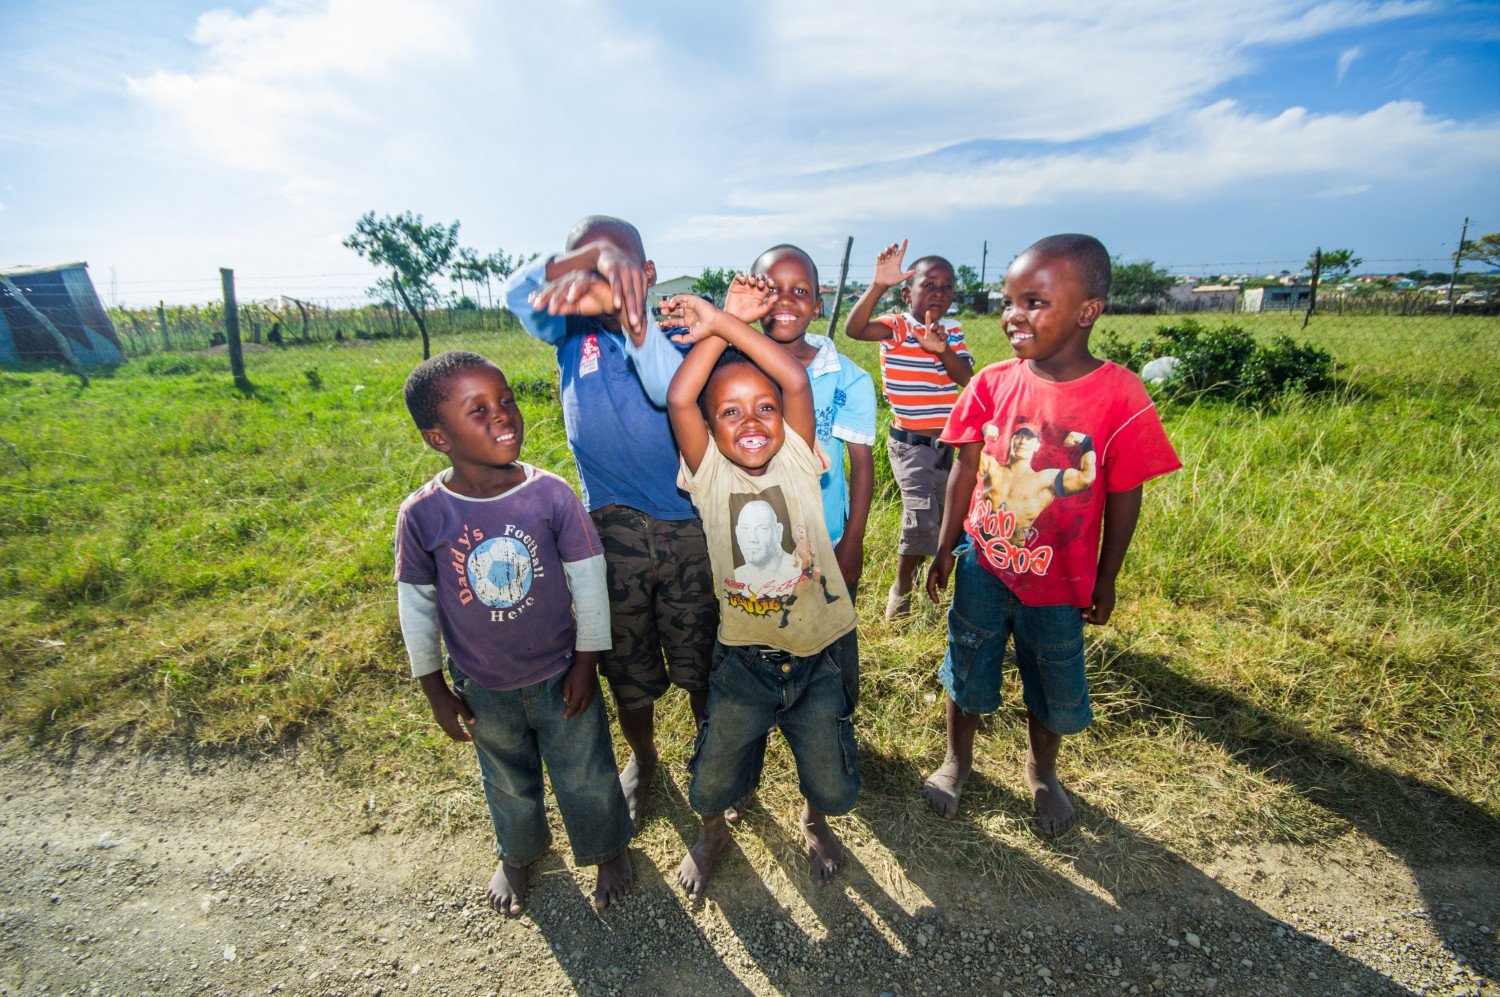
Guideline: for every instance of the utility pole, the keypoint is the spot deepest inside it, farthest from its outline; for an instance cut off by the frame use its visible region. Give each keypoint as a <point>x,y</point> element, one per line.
<point>1458,255</point>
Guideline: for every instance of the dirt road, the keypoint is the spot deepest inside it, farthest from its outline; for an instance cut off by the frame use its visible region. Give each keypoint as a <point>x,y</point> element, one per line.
<point>123,873</point>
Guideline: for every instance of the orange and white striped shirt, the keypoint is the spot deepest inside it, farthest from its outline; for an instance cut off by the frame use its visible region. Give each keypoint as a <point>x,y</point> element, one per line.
<point>918,388</point>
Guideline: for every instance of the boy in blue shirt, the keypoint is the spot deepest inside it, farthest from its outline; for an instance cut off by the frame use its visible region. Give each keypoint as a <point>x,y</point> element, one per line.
<point>660,588</point>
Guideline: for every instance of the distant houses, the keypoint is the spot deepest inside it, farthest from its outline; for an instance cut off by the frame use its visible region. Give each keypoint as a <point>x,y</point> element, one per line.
<point>65,297</point>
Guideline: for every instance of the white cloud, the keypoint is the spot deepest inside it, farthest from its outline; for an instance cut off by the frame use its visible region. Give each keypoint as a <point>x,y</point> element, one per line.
<point>1346,59</point>
<point>1346,190</point>
<point>1211,151</point>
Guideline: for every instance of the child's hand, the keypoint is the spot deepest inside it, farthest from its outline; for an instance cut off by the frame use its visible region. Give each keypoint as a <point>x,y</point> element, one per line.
<point>888,266</point>
<point>933,337</point>
<point>580,685</point>
<point>749,298</point>
<point>627,284</point>
<point>937,575</point>
<point>691,314</point>
<point>451,713</point>
<point>1103,604</point>
<point>581,292</point>
<point>850,554</point>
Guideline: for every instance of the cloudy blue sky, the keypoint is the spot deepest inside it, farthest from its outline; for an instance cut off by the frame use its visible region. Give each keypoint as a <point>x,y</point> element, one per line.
<point>163,140</point>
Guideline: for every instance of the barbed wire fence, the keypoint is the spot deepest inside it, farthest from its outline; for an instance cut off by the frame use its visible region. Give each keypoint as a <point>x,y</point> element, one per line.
<point>321,324</point>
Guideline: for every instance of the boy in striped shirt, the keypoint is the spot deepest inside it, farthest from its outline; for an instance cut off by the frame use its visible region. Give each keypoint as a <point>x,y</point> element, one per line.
<point>924,364</point>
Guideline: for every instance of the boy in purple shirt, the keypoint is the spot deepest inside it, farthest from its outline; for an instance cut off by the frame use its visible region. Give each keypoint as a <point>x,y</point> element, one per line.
<point>499,561</point>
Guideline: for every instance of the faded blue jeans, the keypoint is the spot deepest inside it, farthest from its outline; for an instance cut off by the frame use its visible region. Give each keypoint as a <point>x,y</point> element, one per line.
<point>517,732</point>
<point>751,690</point>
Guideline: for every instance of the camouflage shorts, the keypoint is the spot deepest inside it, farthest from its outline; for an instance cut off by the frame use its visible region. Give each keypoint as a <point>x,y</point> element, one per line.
<point>664,617</point>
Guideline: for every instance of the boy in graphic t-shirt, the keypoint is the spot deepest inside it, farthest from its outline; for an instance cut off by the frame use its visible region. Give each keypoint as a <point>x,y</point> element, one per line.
<point>1053,448</point>
<point>499,561</point>
<point>745,424</point>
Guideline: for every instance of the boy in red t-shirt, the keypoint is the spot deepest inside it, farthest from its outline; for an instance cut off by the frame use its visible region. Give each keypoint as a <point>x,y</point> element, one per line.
<point>1052,446</point>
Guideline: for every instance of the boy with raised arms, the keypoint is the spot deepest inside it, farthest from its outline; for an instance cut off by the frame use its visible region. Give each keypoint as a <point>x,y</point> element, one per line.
<point>746,427</point>
<point>614,364</point>
<point>924,364</point>
<point>1053,449</point>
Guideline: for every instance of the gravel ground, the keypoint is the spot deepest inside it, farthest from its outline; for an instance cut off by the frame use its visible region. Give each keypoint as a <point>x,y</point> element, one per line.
<point>137,874</point>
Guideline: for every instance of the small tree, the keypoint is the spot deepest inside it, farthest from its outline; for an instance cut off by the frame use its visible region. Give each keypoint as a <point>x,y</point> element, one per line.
<point>1485,249</point>
<point>713,284</point>
<point>966,279</point>
<point>1138,283</point>
<point>415,253</point>
<point>1336,264</point>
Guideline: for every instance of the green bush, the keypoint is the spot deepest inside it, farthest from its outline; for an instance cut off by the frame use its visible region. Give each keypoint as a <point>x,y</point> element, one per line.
<point>1226,361</point>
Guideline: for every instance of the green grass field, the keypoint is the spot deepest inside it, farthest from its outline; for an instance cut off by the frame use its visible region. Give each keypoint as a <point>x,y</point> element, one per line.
<point>1305,643</point>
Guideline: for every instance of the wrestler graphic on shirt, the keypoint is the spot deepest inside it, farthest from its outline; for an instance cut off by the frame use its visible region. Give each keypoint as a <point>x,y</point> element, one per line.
<point>1018,488</point>
<point>768,567</point>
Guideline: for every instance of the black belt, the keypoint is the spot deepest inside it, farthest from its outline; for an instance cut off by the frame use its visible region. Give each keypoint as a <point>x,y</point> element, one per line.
<point>917,439</point>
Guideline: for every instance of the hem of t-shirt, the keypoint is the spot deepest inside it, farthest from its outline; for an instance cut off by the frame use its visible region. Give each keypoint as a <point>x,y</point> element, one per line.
<point>851,436</point>
<point>541,675</point>
<point>443,476</point>
<point>673,518</point>
<point>759,643</point>
<point>1003,580</point>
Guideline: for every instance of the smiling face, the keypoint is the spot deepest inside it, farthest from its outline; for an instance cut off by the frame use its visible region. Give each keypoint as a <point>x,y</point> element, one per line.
<point>1048,313</point>
<point>797,302</point>
<point>758,533</point>
<point>479,424</point>
<point>929,290</point>
<point>1023,446</point>
<point>744,415</point>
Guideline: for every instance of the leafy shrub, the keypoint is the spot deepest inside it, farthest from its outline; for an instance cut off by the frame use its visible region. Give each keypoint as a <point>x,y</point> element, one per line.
<point>314,379</point>
<point>1226,361</point>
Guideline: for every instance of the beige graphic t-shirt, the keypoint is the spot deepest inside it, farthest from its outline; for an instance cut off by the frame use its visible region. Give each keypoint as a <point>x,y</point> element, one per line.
<point>773,564</point>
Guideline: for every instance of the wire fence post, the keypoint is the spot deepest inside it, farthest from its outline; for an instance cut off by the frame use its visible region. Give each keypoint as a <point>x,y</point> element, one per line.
<point>1458,255</point>
<point>161,321</point>
<point>1312,303</point>
<point>838,296</point>
<point>232,331</point>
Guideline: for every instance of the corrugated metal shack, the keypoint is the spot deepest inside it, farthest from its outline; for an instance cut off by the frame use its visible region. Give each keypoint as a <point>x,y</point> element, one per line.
<point>65,295</point>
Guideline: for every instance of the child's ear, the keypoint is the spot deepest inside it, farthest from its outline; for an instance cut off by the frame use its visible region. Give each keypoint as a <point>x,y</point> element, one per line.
<point>650,269</point>
<point>1090,312</point>
<point>434,438</point>
<point>906,295</point>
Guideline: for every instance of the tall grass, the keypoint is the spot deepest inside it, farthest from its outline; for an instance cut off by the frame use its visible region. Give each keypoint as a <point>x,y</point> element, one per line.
<point>1306,635</point>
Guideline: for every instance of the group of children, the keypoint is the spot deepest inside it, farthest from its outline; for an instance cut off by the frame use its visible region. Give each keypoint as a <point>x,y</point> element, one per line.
<point>719,542</point>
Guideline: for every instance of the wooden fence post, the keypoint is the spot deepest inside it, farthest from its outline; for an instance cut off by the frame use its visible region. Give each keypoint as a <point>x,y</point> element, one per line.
<point>161,320</point>
<point>1312,303</point>
<point>61,341</point>
<point>232,331</point>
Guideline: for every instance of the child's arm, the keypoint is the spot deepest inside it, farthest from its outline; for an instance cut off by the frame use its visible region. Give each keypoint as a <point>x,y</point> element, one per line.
<point>627,279</point>
<point>888,274</point>
<point>701,319</point>
<point>1121,512</point>
<point>961,482</point>
<point>688,427</point>
<point>933,338</point>
<point>850,551</point>
<point>584,292</point>
<point>588,584</point>
<point>416,605</point>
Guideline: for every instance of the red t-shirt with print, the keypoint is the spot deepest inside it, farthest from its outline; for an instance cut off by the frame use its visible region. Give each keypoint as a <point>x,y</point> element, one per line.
<point>1052,450</point>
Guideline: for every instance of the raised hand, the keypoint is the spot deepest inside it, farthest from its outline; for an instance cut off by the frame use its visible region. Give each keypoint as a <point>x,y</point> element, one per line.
<point>582,292</point>
<point>627,284</point>
<point>932,337</point>
<point>749,298</point>
<point>691,314</point>
<point>888,265</point>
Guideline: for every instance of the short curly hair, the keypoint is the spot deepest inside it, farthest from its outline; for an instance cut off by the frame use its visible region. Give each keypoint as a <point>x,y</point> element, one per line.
<point>427,386</point>
<point>1084,253</point>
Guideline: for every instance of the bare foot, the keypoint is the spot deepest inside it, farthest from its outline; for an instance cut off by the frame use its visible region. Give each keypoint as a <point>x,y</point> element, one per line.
<point>507,888</point>
<point>1054,811</point>
<point>692,875</point>
<point>635,783</point>
<point>944,787</point>
<point>825,855</point>
<point>615,879</point>
<point>736,813</point>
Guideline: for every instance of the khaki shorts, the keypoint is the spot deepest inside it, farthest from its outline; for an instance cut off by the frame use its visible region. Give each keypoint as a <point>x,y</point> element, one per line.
<point>664,617</point>
<point>922,473</point>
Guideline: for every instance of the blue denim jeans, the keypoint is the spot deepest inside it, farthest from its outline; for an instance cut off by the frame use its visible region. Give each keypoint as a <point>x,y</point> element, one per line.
<point>1049,649</point>
<point>518,731</point>
<point>753,689</point>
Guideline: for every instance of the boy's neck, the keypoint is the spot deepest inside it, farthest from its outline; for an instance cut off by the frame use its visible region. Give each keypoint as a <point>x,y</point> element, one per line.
<point>1062,369</point>
<point>804,351</point>
<point>483,481</point>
